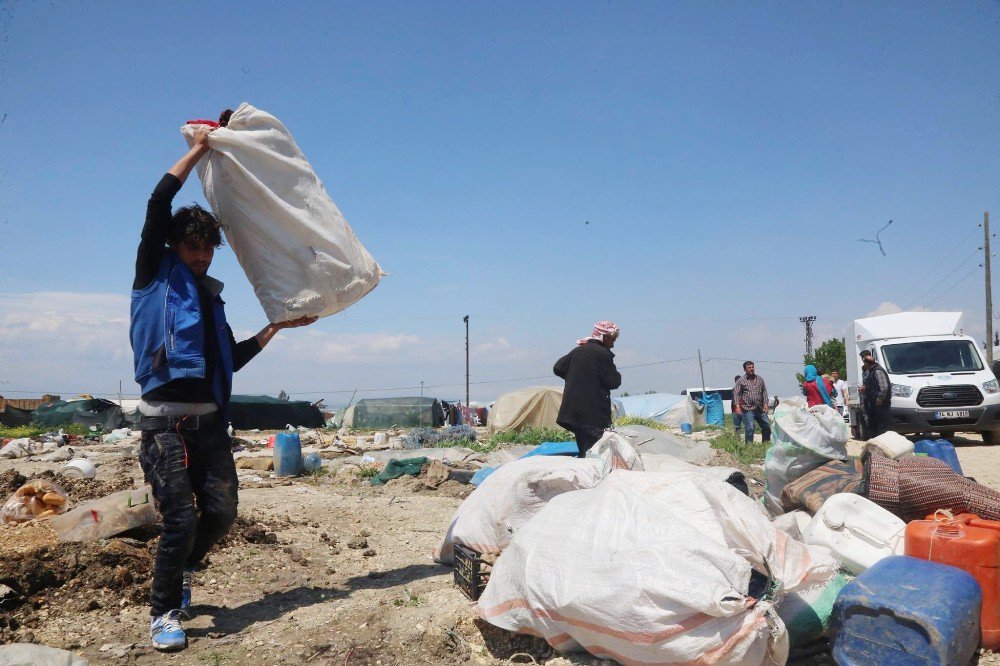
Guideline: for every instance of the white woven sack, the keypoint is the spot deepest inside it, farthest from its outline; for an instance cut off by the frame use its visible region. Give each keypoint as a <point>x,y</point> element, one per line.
<point>509,497</point>
<point>613,451</point>
<point>294,245</point>
<point>650,568</point>
<point>803,439</point>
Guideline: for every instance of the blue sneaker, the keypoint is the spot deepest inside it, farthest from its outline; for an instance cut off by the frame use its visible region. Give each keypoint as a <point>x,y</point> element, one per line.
<point>186,590</point>
<point>167,633</point>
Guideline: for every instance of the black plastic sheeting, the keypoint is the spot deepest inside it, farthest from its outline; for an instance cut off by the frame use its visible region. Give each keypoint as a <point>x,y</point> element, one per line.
<point>13,417</point>
<point>266,413</point>
<point>103,414</point>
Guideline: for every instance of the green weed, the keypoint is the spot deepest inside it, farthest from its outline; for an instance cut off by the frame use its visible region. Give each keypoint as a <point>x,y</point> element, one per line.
<point>638,420</point>
<point>748,454</point>
<point>531,436</point>
<point>34,429</point>
<point>369,470</point>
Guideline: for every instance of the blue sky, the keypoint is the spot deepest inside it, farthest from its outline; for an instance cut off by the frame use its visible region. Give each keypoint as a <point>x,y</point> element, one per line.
<point>726,156</point>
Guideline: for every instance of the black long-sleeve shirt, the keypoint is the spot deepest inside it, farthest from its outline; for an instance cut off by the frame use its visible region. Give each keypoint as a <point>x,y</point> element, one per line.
<point>152,249</point>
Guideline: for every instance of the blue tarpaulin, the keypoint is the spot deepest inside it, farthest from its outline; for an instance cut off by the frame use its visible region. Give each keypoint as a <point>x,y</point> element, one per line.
<point>543,449</point>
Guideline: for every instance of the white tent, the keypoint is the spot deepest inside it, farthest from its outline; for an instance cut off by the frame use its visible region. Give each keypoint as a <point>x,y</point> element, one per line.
<point>666,408</point>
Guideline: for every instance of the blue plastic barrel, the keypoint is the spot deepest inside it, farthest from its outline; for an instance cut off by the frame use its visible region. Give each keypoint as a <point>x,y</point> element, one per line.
<point>941,449</point>
<point>686,428</point>
<point>287,454</point>
<point>904,610</point>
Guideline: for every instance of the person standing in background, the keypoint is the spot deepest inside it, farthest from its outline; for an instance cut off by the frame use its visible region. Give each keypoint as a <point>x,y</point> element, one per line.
<point>737,417</point>
<point>840,386</point>
<point>750,401</point>
<point>591,375</point>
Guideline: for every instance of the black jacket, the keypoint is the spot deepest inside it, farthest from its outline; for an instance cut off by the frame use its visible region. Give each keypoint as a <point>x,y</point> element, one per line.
<point>877,386</point>
<point>590,374</point>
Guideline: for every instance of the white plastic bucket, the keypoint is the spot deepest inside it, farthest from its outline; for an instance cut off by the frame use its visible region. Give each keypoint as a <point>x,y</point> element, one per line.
<point>381,439</point>
<point>891,444</point>
<point>858,531</point>
<point>79,468</point>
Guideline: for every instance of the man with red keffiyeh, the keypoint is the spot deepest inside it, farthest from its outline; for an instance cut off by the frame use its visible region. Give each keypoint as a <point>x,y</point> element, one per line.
<point>591,375</point>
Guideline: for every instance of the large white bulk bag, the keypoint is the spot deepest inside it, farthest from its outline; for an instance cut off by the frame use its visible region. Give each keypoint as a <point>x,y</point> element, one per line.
<point>652,568</point>
<point>803,439</point>
<point>295,246</point>
<point>509,497</point>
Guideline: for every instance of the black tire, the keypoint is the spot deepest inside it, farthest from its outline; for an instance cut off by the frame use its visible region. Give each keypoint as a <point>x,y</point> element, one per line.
<point>991,437</point>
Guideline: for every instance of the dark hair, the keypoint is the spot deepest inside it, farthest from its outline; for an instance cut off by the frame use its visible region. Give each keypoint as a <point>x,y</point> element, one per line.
<point>746,363</point>
<point>736,378</point>
<point>194,223</point>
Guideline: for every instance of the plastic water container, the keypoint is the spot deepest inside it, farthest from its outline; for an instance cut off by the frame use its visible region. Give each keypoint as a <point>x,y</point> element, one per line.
<point>381,439</point>
<point>891,445</point>
<point>941,449</point>
<point>311,462</point>
<point>907,611</point>
<point>287,454</point>
<point>971,544</point>
<point>686,428</point>
<point>858,531</point>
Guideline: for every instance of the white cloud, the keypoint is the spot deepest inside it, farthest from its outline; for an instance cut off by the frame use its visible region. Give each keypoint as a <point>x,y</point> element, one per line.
<point>886,307</point>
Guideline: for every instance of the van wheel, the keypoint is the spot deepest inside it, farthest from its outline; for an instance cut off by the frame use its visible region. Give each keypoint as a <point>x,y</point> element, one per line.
<point>991,437</point>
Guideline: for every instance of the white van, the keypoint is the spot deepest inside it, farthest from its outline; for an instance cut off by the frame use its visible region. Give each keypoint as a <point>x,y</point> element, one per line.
<point>940,380</point>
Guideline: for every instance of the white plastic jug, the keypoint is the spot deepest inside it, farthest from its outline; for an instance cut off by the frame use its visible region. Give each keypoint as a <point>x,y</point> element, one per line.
<point>380,440</point>
<point>891,445</point>
<point>858,531</point>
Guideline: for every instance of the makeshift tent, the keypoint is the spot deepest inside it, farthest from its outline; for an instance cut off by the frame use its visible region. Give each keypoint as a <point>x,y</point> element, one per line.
<point>12,416</point>
<point>97,412</point>
<point>667,408</point>
<point>266,412</point>
<point>533,406</point>
<point>399,412</point>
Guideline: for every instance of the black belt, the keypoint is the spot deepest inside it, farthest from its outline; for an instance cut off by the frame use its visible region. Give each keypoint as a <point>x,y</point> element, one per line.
<point>184,422</point>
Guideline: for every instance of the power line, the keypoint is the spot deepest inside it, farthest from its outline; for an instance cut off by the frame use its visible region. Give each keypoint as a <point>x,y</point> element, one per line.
<point>942,260</point>
<point>960,281</point>
<point>950,273</point>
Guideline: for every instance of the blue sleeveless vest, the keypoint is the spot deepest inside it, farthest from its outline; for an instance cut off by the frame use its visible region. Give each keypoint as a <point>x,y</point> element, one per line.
<point>168,334</point>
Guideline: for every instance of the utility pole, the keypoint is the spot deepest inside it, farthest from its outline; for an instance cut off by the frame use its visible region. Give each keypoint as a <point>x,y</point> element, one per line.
<point>989,290</point>
<point>466,320</point>
<point>808,321</point>
<point>421,408</point>
<point>702,370</point>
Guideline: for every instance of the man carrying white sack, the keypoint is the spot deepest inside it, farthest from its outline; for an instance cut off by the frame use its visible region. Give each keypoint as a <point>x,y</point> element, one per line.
<point>185,357</point>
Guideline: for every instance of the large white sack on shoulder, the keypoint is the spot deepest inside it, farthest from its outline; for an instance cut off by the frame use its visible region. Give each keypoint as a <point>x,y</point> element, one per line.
<point>802,440</point>
<point>649,568</point>
<point>509,497</point>
<point>292,241</point>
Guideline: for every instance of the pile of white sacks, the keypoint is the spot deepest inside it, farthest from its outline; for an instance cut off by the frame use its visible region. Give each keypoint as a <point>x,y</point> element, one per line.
<point>640,558</point>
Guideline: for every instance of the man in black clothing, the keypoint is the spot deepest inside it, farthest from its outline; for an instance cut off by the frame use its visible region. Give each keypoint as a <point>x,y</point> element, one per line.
<point>876,393</point>
<point>185,354</point>
<point>590,374</point>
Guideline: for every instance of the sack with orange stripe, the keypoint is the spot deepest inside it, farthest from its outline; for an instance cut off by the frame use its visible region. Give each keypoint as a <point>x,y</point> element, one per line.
<point>653,568</point>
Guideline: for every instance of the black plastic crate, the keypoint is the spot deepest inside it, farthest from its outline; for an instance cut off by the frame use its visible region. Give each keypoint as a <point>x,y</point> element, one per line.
<point>471,571</point>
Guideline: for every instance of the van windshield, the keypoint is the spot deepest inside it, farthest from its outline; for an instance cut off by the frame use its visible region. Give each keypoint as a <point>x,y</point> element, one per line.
<point>911,358</point>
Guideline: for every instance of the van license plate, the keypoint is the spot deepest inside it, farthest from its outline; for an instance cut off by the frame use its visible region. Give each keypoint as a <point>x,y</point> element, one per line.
<point>963,414</point>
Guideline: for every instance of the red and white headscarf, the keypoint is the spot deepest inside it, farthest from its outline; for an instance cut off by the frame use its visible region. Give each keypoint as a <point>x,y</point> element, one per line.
<point>601,329</point>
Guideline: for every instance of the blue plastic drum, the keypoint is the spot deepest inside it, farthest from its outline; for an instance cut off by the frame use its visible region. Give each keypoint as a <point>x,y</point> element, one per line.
<point>287,454</point>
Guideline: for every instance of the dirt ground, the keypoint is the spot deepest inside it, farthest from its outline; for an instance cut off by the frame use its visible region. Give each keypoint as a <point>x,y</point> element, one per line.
<point>321,569</point>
